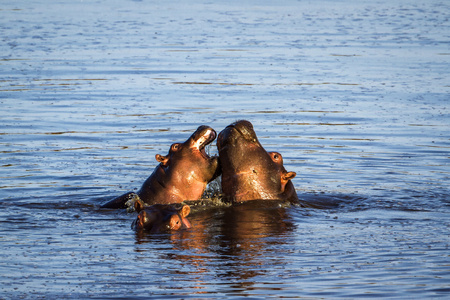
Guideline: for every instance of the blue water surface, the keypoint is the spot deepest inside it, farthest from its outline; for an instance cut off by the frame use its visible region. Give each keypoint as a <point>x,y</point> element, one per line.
<point>353,94</point>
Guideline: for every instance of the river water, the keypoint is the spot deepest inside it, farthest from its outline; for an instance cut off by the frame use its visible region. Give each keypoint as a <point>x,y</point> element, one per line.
<point>353,94</point>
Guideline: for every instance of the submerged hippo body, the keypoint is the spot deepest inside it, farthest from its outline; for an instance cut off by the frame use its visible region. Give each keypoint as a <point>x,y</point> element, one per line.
<point>181,175</point>
<point>161,217</point>
<point>249,172</point>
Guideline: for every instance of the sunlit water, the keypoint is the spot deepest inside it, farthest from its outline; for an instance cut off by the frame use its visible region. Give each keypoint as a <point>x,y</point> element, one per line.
<point>354,94</point>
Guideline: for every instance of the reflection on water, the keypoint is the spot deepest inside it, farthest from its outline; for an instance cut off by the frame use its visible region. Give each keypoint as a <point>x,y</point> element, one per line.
<point>354,94</point>
<point>232,242</point>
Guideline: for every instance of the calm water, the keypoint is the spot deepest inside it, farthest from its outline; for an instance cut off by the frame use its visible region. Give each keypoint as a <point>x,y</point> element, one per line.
<point>354,94</point>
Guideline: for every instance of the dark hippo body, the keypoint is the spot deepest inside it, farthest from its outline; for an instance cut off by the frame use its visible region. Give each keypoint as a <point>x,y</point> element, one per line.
<point>249,172</point>
<point>161,217</point>
<point>181,175</point>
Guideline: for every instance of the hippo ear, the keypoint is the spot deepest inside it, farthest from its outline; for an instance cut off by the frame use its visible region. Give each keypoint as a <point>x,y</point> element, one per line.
<point>185,210</point>
<point>162,159</point>
<point>288,176</point>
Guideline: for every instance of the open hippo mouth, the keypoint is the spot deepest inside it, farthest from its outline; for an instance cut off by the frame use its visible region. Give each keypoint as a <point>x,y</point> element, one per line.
<point>204,136</point>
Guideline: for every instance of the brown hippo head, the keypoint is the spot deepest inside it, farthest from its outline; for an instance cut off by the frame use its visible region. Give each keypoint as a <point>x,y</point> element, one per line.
<point>161,217</point>
<point>181,175</point>
<point>249,172</point>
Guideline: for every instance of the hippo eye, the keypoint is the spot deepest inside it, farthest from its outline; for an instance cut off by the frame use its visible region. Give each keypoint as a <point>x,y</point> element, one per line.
<point>276,157</point>
<point>175,147</point>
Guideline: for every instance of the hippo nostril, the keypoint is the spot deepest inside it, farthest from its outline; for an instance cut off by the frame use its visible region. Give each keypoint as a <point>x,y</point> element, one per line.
<point>244,123</point>
<point>247,124</point>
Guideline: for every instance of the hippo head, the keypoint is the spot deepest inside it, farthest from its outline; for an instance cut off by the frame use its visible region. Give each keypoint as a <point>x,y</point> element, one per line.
<point>181,175</point>
<point>188,168</point>
<point>249,172</point>
<point>161,217</point>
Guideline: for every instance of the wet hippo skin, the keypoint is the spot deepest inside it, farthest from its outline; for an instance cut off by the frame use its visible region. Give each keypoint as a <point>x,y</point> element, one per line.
<point>160,217</point>
<point>249,172</point>
<point>181,175</point>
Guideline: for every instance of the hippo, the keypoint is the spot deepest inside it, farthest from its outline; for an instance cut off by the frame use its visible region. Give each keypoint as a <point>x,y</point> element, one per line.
<point>249,172</point>
<point>181,175</point>
<point>160,217</point>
